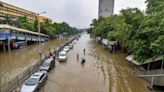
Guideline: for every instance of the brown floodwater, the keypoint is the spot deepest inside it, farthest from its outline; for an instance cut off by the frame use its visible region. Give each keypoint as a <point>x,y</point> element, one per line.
<point>102,72</point>
<point>14,62</point>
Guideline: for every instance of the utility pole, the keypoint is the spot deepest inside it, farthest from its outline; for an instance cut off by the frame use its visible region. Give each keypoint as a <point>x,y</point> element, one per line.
<point>40,52</point>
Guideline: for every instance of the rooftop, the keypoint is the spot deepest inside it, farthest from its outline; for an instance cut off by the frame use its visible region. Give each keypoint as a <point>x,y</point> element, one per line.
<point>153,59</point>
<point>3,26</point>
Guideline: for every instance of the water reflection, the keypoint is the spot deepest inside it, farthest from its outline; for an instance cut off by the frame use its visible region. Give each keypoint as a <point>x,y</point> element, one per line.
<point>121,78</point>
<point>14,62</point>
<point>102,72</point>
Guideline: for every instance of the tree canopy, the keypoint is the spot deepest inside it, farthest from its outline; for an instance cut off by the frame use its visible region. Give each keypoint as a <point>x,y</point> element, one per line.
<point>142,33</point>
<point>46,27</point>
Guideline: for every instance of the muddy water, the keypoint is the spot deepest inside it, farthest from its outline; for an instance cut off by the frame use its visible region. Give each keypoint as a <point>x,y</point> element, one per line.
<point>102,72</point>
<point>14,62</point>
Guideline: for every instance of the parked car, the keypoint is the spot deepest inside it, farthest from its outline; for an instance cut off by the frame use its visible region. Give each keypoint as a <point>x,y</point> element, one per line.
<point>35,82</point>
<point>74,42</point>
<point>66,48</point>
<point>62,56</point>
<point>48,64</point>
<point>78,36</point>
<point>70,46</point>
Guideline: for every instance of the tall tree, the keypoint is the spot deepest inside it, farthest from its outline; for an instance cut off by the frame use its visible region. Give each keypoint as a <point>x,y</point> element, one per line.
<point>23,22</point>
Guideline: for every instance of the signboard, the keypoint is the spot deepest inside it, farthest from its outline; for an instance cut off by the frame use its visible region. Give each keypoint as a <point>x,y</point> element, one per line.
<point>5,35</point>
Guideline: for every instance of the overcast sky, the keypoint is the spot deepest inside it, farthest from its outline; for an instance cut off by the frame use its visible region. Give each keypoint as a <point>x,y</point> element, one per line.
<point>77,13</point>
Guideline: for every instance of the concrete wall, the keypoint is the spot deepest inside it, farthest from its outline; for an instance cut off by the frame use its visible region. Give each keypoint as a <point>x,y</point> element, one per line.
<point>106,8</point>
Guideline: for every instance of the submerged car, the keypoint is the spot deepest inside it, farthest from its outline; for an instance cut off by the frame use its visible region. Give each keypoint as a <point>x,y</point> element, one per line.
<point>35,82</point>
<point>62,56</point>
<point>66,48</point>
<point>48,64</point>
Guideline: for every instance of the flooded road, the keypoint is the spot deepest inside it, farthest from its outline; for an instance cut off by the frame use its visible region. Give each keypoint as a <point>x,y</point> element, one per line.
<point>102,72</point>
<point>14,62</point>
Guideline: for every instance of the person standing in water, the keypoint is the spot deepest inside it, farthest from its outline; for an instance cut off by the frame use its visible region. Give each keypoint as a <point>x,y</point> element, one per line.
<point>82,61</point>
<point>84,51</point>
<point>77,56</point>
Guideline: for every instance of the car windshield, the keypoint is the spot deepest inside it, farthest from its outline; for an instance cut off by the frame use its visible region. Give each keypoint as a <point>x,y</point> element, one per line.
<point>31,82</point>
<point>62,54</point>
<point>66,48</point>
<point>45,64</point>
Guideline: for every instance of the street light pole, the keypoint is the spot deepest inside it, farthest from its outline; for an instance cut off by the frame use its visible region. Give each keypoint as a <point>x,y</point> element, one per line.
<point>40,52</point>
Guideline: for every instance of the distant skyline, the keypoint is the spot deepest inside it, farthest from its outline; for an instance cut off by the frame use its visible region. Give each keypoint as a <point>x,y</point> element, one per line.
<point>78,13</point>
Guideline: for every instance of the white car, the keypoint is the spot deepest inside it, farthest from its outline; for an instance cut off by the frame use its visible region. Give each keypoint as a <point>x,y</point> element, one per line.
<point>35,82</point>
<point>74,42</point>
<point>62,56</point>
<point>70,46</point>
<point>66,48</point>
<point>48,64</point>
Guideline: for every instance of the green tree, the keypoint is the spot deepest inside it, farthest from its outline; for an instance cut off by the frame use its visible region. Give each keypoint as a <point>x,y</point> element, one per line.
<point>46,27</point>
<point>7,20</point>
<point>142,34</point>
<point>23,22</point>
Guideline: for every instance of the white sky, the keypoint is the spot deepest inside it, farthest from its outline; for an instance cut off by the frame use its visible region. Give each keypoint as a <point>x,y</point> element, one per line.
<point>78,13</point>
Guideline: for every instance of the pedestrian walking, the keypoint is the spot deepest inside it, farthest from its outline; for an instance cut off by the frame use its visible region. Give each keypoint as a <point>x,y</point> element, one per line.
<point>50,53</point>
<point>77,56</point>
<point>84,51</point>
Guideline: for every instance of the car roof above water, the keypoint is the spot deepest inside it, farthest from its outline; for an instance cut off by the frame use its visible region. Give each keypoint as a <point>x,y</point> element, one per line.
<point>66,47</point>
<point>63,52</point>
<point>38,74</point>
<point>49,60</point>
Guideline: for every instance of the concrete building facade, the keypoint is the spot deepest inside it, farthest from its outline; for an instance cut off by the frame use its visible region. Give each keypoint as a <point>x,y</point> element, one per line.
<point>106,8</point>
<point>43,19</point>
<point>14,12</point>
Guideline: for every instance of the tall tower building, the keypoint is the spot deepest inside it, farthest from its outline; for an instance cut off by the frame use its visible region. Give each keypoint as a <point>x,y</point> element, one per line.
<point>106,8</point>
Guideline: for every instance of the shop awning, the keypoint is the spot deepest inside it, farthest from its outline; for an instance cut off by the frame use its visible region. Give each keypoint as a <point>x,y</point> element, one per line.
<point>153,59</point>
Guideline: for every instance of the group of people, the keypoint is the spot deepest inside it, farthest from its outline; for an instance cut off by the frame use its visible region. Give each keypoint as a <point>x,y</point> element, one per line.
<point>83,59</point>
<point>51,54</point>
<point>54,55</point>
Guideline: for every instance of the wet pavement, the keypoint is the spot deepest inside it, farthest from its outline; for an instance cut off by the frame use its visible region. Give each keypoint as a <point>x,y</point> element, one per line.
<point>102,72</point>
<point>13,63</point>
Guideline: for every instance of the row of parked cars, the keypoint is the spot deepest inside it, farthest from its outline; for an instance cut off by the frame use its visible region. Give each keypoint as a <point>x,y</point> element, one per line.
<point>63,53</point>
<point>39,78</point>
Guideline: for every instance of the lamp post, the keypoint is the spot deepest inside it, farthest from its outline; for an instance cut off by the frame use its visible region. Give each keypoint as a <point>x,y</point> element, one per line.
<point>40,52</point>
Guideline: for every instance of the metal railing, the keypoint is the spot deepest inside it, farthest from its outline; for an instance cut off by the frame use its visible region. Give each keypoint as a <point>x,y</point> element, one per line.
<point>19,79</point>
<point>152,76</point>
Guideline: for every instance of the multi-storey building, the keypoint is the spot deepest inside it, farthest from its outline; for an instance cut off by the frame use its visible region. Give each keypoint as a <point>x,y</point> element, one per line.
<point>43,19</point>
<point>106,8</point>
<point>14,12</point>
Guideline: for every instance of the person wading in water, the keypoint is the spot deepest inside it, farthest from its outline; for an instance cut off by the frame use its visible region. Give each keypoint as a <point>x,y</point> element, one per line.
<point>77,56</point>
<point>82,61</point>
<point>84,51</point>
